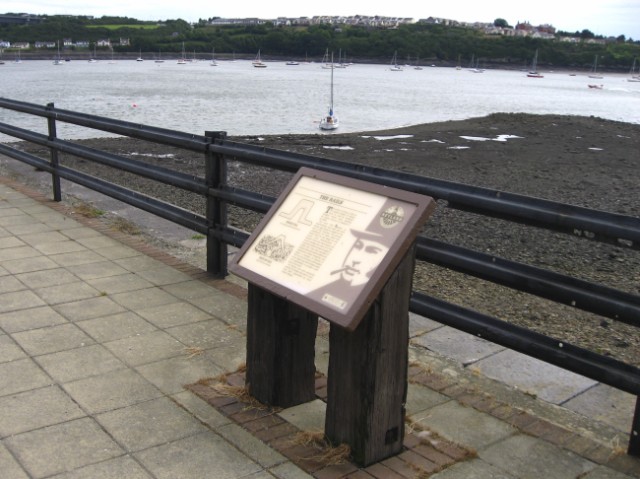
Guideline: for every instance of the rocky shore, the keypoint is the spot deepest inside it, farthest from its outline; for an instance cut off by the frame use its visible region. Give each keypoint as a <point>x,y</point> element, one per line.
<point>582,161</point>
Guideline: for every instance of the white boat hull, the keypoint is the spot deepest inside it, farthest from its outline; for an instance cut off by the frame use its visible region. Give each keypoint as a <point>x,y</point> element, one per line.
<point>329,125</point>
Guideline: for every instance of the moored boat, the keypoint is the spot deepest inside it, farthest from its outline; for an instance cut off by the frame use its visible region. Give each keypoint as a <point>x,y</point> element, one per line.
<point>330,122</point>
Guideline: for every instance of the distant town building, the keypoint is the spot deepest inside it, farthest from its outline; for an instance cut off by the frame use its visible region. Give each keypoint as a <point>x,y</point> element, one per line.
<point>49,44</point>
<point>238,21</point>
<point>545,31</point>
<point>357,20</point>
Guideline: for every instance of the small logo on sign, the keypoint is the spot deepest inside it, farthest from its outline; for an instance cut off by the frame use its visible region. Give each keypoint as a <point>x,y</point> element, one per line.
<point>391,217</point>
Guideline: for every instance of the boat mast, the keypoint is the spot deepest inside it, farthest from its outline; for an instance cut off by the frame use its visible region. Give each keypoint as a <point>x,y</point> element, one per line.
<point>331,105</point>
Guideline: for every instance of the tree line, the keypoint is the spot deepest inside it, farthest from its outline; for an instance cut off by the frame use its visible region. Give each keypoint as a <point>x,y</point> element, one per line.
<point>422,42</point>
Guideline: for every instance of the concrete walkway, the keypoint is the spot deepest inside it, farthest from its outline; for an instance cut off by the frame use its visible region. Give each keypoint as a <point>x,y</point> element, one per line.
<point>109,347</point>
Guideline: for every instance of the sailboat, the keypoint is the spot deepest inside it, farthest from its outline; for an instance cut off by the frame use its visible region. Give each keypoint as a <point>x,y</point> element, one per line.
<point>594,70</point>
<point>325,60</point>
<point>533,73</point>
<point>159,59</point>
<point>213,63</point>
<point>258,63</point>
<point>394,63</point>
<point>475,65</point>
<point>341,63</point>
<point>330,122</point>
<point>17,60</point>
<point>58,60</point>
<point>417,67</point>
<point>140,59</point>
<point>183,59</point>
<point>635,76</point>
<point>94,58</point>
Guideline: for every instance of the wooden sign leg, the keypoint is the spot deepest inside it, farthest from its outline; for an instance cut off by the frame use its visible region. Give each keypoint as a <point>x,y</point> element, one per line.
<point>367,383</point>
<point>280,350</point>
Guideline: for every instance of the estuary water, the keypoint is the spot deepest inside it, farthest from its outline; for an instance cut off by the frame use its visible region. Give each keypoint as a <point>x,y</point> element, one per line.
<point>242,100</point>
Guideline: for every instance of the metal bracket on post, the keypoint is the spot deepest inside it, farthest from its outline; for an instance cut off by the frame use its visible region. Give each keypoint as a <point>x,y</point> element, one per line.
<point>215,178</point>
<point>54,161</point>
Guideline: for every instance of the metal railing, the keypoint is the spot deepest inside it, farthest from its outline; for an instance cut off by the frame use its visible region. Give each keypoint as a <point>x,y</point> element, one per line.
<point>218,151</point>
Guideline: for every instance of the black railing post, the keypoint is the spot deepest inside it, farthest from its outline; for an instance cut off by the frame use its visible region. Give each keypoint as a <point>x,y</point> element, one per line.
<point>55,179</point>
<point>216,177</point>
<point>634,440</point>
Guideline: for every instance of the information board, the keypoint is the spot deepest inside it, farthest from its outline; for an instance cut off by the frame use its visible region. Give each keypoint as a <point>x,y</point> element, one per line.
<point>330,243</point>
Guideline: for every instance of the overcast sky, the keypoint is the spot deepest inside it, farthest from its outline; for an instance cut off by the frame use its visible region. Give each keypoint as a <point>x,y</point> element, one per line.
<point>602,17</point>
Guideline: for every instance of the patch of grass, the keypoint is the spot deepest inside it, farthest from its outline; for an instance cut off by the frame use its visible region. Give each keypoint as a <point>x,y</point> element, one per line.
<point>193,351</point>
<point>198,237</point>
<point>328,454</point>
<point>428,437</point>
<point>221,386</point>
<point>616,448</point>
<point>125,226</point>
<point>88,210</point>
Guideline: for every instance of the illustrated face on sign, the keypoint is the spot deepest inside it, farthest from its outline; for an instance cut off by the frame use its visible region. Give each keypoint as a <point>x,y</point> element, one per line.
<point>362,260</point>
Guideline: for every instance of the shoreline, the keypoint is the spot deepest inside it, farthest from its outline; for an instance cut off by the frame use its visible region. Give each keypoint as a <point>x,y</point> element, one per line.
<point>106,55</point>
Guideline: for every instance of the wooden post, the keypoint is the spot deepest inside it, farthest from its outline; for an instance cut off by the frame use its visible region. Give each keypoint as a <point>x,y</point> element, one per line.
<point>367,383</point>
<point>280,350</point>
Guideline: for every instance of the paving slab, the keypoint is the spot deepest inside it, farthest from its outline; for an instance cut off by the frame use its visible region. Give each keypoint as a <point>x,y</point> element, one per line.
<point>112,390</point>
<point>464,425</point>
<point>35,409</point>
<point>10,466</point>
<point>531,458</point>
<point>195,457</point>
<point>533,376</point>
<point>456,344</point>
<point>171,375</point>
<point>79,363</point>
<point>38,317</point>
<point>604,403</point>
<point>139,426</point>
<point>62,447</point>
<point>117,468</point>
<point>21,375</point>
<point>473,469</point>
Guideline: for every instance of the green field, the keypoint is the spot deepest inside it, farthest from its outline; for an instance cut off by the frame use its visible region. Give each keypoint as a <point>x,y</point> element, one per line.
<point>139,26</point>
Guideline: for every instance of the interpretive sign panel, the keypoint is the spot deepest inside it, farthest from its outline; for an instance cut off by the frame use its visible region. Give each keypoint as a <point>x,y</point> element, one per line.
<point>330,243</point>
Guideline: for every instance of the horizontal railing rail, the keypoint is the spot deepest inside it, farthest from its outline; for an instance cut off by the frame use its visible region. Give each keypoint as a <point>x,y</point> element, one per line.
<point>596,225</point>
<point>583,223</point>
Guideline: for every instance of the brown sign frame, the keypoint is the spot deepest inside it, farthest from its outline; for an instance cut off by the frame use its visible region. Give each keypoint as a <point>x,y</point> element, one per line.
<point>392,217</point>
